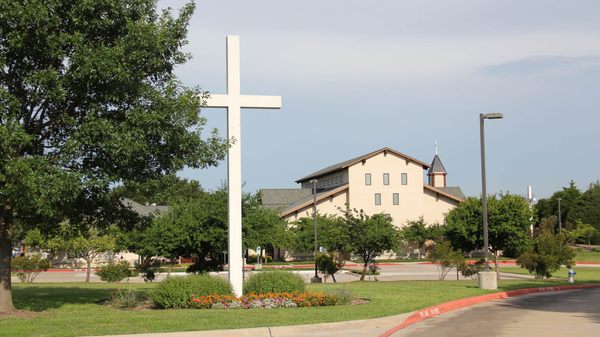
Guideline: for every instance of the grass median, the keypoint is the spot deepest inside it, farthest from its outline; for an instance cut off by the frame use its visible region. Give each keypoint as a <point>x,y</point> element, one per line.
<point>75,309</point>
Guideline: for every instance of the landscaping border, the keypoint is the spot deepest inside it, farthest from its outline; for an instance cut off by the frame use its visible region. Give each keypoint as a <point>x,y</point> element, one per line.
<point>439,309</point>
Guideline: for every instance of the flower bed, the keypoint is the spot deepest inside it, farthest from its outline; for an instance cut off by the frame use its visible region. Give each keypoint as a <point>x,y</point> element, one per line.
<point>267,301</point>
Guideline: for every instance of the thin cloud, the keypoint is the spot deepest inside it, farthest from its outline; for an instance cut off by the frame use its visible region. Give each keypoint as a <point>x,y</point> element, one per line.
<point>543,64</point>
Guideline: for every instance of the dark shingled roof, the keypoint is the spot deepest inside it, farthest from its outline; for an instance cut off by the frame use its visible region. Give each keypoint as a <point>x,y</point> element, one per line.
<point>281,198</point>
<point>436,166</point>
<point>454,190</point>
<point>145,210</point>
<point>344,164</point>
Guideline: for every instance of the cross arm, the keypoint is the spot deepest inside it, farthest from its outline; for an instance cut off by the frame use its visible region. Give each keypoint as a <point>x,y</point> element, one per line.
<point>262,102</point>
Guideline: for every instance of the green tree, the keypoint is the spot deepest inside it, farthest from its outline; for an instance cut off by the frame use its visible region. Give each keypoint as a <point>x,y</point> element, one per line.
<point>570,206</point>
<point>89,247</point>
<point>88,99</point>
<point>417,233</point>
<point>548,253</point>
<point>262,227</point>
<point>197,227</point>
<point>332,234</point>
<point>509,221</point>
<point>370,236</point>
<point>588,210</point>
<point>163,191</point>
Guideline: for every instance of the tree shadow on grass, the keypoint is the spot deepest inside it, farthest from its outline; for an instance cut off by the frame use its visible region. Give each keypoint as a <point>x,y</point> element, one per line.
<point>40,298</point>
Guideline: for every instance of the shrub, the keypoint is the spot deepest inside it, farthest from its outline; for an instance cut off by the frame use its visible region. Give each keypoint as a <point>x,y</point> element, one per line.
<point>343,296</point>
<point>29,267</point>
<point>126,298</point>
<point>471,269</point>
<point>327,265</point>
<point>445,258</point>
<point>149,269</point>
<point>548,253</point>
<point>274,282</point>
<point>114,272</point>
<point>176,292</point>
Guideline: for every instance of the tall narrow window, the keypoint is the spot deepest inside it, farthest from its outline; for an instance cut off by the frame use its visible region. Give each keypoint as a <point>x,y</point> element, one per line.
<point>404,179</point>
<point>386,178</point>
<point>377,198</point>
<point>367,179</point>
<point>396,198</point>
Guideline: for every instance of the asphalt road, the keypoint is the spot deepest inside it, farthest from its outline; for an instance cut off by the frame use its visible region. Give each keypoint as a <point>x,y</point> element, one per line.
<point>389,272</point>
<point>565,313</point>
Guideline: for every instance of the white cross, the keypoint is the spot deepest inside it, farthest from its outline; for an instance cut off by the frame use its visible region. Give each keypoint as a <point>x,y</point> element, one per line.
<point>234,102</point>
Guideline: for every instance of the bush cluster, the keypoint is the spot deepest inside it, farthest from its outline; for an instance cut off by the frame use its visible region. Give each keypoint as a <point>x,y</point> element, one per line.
<point>176,292</point>
<point>114,272</point>
<point>29,267</point>
<point>274,282</point>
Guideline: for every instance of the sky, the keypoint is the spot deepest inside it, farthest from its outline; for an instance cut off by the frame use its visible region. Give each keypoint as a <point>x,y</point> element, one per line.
<point>356,76</point>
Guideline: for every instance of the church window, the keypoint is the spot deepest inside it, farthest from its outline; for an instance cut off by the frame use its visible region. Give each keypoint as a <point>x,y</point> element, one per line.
<point>367,179</point>
<point>377,198</point>
<point>404,179</point>
<point>396,198</point>
<point>386,178</point>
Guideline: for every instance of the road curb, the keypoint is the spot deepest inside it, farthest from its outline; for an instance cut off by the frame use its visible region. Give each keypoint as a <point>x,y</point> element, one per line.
<point>439,309</point>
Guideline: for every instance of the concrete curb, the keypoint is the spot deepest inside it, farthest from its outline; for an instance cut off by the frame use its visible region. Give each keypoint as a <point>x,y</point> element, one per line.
<point>439,309</point>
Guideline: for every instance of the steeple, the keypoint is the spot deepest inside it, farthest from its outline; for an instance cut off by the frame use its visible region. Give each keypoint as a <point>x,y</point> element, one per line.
<point>437,173</point>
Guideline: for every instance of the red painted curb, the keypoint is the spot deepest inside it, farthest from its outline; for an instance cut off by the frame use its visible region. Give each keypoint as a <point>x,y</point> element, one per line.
<point>465,302</point>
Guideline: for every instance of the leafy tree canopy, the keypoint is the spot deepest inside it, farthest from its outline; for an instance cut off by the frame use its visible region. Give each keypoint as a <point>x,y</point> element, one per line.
<point>509,220</point>
<point>88,99</point>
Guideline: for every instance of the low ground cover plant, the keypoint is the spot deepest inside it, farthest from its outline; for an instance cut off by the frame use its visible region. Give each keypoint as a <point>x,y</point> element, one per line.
<point>267,300</point>
<point>126,298</point>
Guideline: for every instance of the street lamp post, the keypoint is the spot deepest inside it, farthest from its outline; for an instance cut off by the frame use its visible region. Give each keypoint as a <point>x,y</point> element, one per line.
<point>488,277</point>
<point>316,278</point>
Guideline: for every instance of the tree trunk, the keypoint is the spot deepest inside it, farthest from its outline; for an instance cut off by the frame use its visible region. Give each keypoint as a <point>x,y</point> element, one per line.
<point>89,270</point>
<point>333,277</point>
<point>364,272</point>
<point>6,302</point>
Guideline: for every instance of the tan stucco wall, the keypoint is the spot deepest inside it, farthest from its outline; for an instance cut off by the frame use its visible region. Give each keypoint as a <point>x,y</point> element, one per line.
<point>414,201</point>
<point>436,206</point>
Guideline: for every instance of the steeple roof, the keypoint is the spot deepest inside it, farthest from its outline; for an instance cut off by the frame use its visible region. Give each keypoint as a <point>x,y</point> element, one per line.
<point>436,166</point>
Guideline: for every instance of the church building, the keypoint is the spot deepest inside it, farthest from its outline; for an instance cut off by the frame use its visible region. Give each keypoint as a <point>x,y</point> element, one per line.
<point>383,181</point>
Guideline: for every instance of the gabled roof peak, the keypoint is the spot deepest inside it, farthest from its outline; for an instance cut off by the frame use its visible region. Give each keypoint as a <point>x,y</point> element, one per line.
<point>436,166</point>
<point>347,163</point>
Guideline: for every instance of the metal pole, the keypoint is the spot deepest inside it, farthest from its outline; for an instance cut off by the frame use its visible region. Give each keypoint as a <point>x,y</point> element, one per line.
<point>316,278</point>
<point>484,195</point>
<point>559,218</point>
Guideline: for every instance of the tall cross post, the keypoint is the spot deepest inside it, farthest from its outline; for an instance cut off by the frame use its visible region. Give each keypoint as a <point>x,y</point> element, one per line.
<point>233,101</point>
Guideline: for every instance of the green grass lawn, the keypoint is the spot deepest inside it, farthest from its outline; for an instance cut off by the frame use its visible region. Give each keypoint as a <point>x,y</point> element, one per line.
<point>73,309</point>
<point>584,255</point>
<point>584,274</point>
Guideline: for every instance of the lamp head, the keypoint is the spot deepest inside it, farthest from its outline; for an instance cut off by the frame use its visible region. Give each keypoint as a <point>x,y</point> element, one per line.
<point>493,115</point>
